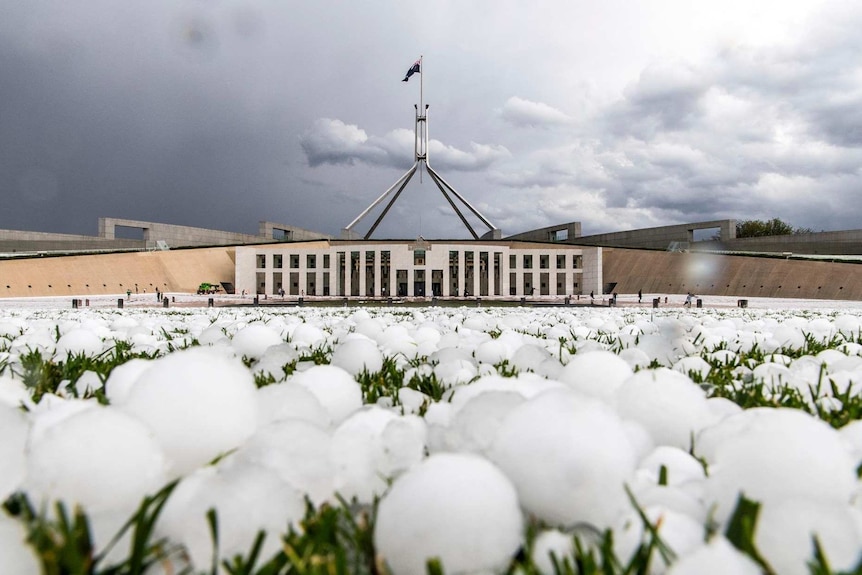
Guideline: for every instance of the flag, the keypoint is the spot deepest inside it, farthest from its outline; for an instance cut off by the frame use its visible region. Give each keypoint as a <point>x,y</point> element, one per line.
<point>414,69</point>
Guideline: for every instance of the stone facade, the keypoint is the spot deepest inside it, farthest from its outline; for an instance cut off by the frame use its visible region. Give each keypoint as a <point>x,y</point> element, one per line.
<point>401,268</point>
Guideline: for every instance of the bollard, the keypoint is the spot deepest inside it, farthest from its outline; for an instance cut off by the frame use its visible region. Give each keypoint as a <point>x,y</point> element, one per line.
<point>210,302</point>
<point>612,302</point>
<point>478,302</point>
<point>434,300</point>
<point>88,302</point>
<point>655,301</point>
<point>165,302</point>
<point>74,304</point>
<point>699,302</point>
<point>742,303</point>
<point>256,301</point>
<point>344,302</point>
<point>523,301</point>
<point>301,301</point>
<point>120,303</point>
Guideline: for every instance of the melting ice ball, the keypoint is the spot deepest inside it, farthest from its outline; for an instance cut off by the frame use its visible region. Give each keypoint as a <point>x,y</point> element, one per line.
<point>458,508</point>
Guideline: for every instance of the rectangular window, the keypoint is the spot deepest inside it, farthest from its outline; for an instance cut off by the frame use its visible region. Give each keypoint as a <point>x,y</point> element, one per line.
<point>528,262</point>
<point>577,262</point>
<point>277,261</point>
<point>311,261</point>
<point>561,261</point>
<point>544,261</point>
<point>294,261</point>
<point>261,261</point>
<point>513,261</point>
<point>326,263</point>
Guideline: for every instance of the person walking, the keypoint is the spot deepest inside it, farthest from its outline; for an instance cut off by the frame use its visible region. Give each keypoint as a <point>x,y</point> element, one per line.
<point>640,295</point>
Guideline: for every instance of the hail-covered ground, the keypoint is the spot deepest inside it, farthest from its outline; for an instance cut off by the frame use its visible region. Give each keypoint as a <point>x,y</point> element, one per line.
<point>716,440</point>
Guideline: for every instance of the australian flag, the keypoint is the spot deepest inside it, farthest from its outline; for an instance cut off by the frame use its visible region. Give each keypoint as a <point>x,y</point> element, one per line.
<point>414,69</point>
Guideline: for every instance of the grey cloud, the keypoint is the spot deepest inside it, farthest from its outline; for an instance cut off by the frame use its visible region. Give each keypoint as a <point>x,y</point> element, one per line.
<point>525,113</point>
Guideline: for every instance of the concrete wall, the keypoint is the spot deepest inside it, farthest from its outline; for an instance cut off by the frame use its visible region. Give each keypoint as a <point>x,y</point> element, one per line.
<point>705,274</point>
<point>661,237</point>
<point>171,271</point>
<point>848,242</point>
<point>550,234</point>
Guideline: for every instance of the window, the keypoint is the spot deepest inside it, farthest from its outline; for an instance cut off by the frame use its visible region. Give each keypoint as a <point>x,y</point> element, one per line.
<point>418,257</point>
<point>544,261</point>
<point>513,261</point>
<point>528,262</point>
<point>326,261</point>
<point>261,261</point>
<point>311,261</point>
<point>561,261</point>
<point>277,261</point>
<point>577,262</point>
<point>294,261</point>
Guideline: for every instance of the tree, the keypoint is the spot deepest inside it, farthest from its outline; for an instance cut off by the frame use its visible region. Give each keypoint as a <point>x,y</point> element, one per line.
<point>759,228</point>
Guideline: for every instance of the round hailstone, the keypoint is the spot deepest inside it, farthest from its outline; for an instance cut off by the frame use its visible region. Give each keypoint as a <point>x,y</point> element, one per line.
<point>458,508</point>
<point>717,557</point>
<point>668,404</point>
<point>13,430</point>
<point>297,450</point>
<point>552,544</point>
<point>290,401</point>
<point>307,335</point>
<point>530,357</point>
<point>680,466</point>
<point>785,531</point>
<point>680,532</point>
<point>657,348</point>
<point>13,392</point>
<point>693,364</point>
<point>199,403</point>
<point>336,390</point>
<point>274,360</point>
<point>253,340</point>
<point>476,423</point>
<point>16,555</point>
<point>492,352</point>
<point>123,377</point>
<point>212,335</point>
<point>568,456</point>
<point>596,373</point>
<point>78,342</point>
<point>636,358</point>
<point>372,446</point>
<point>99,457</point>
<point>357,355</point>
<point>246,500</point>
<point>772,455</point>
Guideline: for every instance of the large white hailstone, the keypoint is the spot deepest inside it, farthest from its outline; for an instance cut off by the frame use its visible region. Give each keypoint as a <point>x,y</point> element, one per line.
<point>693,364</point>
<point>16,555</point>
<point>775,454</point>
<point>455,371</point>
<point>13,392</point>
<point>274,359</point>
<point>213,335</point>
<point>335,388</point>
<point>476,422</point>
<point>848,325</point>
<point>716,557</point>
<point>458,508</point>
<point>680,466</point>
<point>785,531</point>
<point>298,451</point>
<point>852,435</point>
<point>87,383</point>
<point>596,373</point>
<point>78,342</point>
<point>370,327</point>
<point>290,401</point>
<point>253,340</point>
<point>657,348</point>
<point>357,355</point>
<point>492,352</point>
<point>667,403</point>
<point>246,500</point>
<point>53,409</point>
<point>680,532</point>
<point>412,400</point>
<point>372,446</point>
<point>307,335</point>
<point>13,429</point>
<point>636,358</point>
<point>568,456</point>
<point>198,402</point>
<point>552,543</point>
<point>123,377</point>
<point>531,357</point>
<point>100,458</point>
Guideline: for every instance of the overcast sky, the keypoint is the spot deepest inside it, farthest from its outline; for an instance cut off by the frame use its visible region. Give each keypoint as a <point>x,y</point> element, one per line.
<point>620,114</point>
